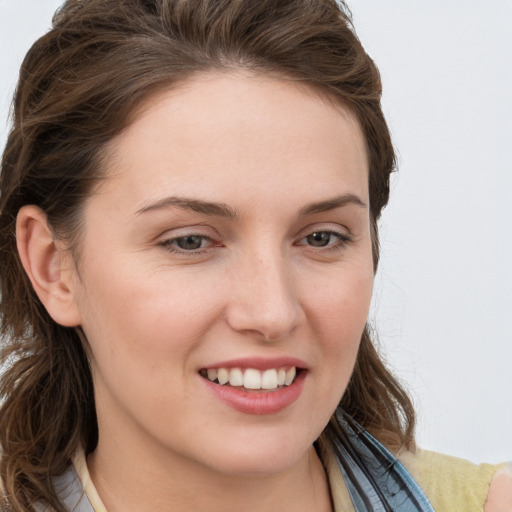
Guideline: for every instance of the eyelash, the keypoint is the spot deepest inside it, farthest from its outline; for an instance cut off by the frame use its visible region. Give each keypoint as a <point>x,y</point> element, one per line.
<point>342,240</point>
<point>171,247</point>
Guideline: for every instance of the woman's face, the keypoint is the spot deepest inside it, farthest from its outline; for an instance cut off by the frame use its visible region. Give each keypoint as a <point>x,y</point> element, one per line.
<point>230,241</point>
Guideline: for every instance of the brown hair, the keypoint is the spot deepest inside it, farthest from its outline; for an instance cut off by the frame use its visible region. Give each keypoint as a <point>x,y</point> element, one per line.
<point>78,86</point>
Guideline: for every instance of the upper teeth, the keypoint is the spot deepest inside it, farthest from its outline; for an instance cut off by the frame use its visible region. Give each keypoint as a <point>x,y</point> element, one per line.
<point>250,378</point>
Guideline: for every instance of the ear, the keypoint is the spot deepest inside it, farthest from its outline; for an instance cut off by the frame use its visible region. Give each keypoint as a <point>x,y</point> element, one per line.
<point>50,268</point>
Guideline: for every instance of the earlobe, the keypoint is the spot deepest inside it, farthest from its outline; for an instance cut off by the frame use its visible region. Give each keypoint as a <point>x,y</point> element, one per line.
<point>50,269</point>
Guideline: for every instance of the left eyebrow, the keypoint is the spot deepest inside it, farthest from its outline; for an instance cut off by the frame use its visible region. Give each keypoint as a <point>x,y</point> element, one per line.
<point>332,204</point>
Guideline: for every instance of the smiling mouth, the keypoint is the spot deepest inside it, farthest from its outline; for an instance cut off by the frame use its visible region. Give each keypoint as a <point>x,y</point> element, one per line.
<point>252,378</point>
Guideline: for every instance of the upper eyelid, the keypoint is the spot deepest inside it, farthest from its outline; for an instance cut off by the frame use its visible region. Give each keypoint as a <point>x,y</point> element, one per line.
<point>168,239</point>
<point>187,235</point>
<point>184,231</point>
<point>331,227</point>
<point>343,237</point>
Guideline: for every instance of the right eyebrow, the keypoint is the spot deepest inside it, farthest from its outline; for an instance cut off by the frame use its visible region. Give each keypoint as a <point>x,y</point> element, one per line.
<point>196,205</point>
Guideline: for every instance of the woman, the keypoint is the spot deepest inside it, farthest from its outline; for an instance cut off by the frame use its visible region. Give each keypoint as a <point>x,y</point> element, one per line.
<point>189,205</point>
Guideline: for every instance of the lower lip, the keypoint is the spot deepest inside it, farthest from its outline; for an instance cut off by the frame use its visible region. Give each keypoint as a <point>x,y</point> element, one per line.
<point>261,401</point>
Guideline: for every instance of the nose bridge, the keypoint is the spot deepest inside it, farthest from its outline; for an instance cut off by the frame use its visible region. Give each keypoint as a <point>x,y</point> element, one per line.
<point>265,300</point>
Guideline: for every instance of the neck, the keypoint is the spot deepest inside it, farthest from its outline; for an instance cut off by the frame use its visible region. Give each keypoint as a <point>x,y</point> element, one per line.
<point>130,480</point>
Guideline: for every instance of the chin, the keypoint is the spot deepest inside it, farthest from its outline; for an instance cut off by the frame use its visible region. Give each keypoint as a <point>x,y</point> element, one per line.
<point>256,465</point>
<point>259,456</point>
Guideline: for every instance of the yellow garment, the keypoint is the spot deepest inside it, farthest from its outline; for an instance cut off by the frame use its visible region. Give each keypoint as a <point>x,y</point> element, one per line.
<point>451,484</point>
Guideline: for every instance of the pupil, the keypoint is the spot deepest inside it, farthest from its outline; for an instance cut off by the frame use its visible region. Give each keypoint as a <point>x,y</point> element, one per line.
<point>320,239</point>
<point>189,243</point>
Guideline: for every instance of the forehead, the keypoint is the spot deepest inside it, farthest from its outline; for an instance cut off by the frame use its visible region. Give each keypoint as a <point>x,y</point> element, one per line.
<point>217,128</point>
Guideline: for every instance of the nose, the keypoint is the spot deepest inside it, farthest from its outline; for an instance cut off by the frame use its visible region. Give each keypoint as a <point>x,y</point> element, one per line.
<point>263,298</point>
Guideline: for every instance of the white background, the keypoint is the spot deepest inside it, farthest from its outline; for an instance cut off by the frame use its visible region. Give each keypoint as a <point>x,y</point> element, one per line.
<point>443,297</point>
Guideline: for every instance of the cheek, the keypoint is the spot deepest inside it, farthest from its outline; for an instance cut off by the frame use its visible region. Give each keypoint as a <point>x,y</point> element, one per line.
<point>341,305</point>
<point>146,325</point>
<point>338,313</point>
<point>337,310</point>
<point>141,332</point>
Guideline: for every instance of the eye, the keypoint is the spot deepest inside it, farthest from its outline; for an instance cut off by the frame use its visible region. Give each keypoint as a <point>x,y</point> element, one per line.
<point>325,239</point>
<point>188,243</point>
<point>320,239</point>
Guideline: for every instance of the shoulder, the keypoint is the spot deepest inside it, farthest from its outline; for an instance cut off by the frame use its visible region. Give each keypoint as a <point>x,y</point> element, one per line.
<point>452,483</point>
<point>499,498</point>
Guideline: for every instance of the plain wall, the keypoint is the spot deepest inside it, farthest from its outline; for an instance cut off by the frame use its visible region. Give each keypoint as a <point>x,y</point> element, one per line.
<point>442,302</point>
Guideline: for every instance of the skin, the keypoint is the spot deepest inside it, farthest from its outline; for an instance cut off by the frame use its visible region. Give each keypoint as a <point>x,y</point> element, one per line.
<point>155,314</point>
<point>500,492</point>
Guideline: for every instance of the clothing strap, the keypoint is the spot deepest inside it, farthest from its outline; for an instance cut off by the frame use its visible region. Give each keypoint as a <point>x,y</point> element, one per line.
<point>71,493</point>
<point>375,479</point>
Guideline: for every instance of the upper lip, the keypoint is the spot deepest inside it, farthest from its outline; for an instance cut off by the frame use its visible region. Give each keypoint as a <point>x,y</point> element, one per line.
<point>259,363</point>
